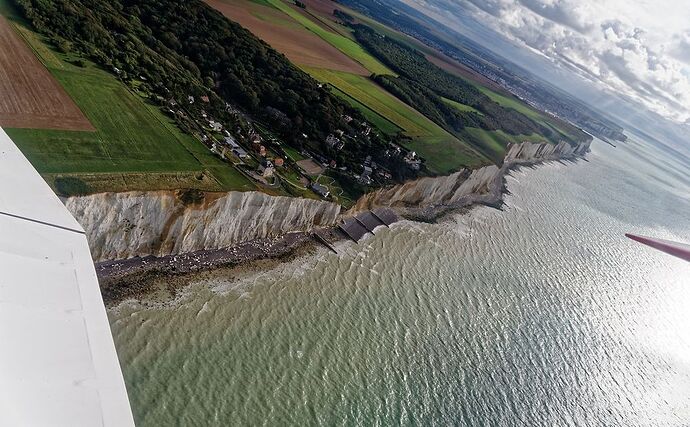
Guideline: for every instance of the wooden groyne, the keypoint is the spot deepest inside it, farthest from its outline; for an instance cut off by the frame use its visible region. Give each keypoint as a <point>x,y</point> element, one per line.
<point>323,240</point>
<point>366,222</point>
<point>385,215</point>
<point>355,227</point>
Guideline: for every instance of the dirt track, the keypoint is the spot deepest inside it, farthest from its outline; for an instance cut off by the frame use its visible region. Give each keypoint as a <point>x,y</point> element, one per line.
<point>30,97</point>
<point>301,46</point>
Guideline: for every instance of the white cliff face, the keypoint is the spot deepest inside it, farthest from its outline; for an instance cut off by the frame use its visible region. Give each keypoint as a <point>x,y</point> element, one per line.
<point>483,185</point>
<point>529,151</point>
<point>124,225</point>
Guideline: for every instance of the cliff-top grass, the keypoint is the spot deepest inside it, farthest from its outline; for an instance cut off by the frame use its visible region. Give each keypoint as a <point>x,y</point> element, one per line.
<point>130,137</point>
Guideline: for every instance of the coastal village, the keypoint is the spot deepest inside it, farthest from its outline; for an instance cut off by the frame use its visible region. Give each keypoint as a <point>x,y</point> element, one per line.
<point>249,147</point>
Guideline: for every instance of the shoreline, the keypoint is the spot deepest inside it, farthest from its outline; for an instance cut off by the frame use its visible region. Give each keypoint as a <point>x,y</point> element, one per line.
<point>141,278</point>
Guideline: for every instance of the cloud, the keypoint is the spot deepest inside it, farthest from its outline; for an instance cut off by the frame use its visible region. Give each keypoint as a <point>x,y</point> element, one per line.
<point>680,47</point>
<point>637,49</point>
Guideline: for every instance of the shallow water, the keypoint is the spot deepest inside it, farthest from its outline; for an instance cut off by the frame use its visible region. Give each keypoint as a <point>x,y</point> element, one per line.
<point>543,314</point>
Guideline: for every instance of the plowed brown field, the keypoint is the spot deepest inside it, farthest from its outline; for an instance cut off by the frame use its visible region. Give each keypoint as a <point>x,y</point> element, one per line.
<point>30,97</point>
<point>288,37</point>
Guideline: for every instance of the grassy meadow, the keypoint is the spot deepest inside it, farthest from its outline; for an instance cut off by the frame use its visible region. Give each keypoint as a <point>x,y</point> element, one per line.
<point>371,95</point>
<point>565,130</point>
<point>443,152</point>
<point>135,146</point>
<point>460,107</point>
<point>384,125</point>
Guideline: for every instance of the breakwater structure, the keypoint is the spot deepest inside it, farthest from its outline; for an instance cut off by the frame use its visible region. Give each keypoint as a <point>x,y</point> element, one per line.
<point>357,226</point>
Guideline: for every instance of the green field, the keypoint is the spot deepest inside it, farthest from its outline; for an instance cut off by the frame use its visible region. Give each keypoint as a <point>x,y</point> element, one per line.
<point>293,153</point>
<point>460,107</point>
<point>384,125</point>
<point>497,141</point>
<point>340,42</point>
<point>445,155</point>
<point>565,130</point>
<point>443,152</point>
<point>371,95</point>
<point>134,142</point>
<point>513,103</point>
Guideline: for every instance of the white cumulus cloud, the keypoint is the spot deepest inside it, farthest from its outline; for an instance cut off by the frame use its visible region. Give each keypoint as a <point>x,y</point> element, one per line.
<point>640,49</point>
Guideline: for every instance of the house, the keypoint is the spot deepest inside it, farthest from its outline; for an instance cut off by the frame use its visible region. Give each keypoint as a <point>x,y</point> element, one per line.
<point>217,127</point>
<point>347,119</point>
<point>365,177</point>
<point>205,99</point>
<point>334,142</point>
<point>190,99</point>
<point>412,161</point>
<point>231,142</point>
<point>321,159</point>
<point>240,153</point>
<point>266,169</point>
<point>415,164</point>
<point>321,190</point>
<point>278,161</point>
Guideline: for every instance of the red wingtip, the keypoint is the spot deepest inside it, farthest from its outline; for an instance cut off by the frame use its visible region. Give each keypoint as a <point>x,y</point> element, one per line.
<point>679,250</point>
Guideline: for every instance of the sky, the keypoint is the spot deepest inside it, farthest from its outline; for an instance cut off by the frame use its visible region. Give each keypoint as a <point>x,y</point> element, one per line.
<point>639,49</point>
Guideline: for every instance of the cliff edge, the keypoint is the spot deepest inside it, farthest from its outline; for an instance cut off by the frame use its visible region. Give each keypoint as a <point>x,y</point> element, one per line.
<point>161,223</point>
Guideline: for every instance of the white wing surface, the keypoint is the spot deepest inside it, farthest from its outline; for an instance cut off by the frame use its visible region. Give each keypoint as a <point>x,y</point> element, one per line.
<point>58,365</point>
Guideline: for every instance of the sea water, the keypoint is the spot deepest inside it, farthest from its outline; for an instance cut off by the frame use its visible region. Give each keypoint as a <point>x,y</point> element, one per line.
<point>542,314</point>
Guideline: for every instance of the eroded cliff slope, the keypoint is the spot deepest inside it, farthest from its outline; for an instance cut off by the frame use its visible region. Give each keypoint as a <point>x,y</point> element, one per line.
<point>124,225</point>
<point>427,198</point>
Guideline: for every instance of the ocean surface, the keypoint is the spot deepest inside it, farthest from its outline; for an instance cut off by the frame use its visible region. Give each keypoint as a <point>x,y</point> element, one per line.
<point>542,314</point>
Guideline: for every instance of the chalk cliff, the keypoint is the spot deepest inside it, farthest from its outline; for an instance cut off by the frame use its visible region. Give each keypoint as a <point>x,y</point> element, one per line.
<point>124,225</point>
<point>427,198</point>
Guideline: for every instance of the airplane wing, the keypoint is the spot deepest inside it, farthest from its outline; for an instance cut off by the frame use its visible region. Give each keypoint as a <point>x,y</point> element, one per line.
<point>676,249</point>
<point>58,364</point>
